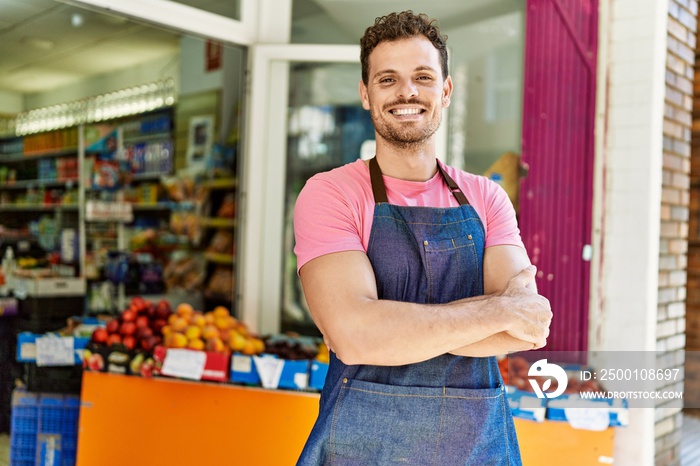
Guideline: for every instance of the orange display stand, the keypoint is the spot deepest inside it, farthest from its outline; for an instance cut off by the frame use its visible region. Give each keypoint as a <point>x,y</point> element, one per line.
<point>126,420</point>
<point>553,442</point>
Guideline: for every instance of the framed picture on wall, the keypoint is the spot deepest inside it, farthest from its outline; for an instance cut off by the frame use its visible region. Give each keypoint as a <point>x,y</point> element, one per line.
<point>200,140</point>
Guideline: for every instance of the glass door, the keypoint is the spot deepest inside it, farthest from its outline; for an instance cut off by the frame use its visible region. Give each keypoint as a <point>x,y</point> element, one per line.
<point>304,116</point>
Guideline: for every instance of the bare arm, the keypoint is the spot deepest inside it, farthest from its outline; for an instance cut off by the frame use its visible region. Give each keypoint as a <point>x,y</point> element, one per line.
<point>341,293</point>
<point>501,264</point>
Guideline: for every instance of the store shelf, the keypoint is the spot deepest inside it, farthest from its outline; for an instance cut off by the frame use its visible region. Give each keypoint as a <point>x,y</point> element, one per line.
<point>216,258</point>
<point>147,137</point>
<point>24,184</point>
<point>209,222</point>
<point>37,207</point>
<point>148,176</point>
<point>21,156</point>
<point>156,206</point>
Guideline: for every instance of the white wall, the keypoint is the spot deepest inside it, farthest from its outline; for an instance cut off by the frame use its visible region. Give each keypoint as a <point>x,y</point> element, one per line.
<point>154,70</point>
<point>193,75</point>
<point>628,194</point>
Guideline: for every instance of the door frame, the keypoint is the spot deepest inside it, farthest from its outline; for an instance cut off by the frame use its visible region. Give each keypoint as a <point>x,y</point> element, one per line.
<point>264,176</point>
<point>187,19</point>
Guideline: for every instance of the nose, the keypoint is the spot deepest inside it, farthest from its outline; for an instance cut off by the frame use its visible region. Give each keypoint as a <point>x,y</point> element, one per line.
<point>407,90</point>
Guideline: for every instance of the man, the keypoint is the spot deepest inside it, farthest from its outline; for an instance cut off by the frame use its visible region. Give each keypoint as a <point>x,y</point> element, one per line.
<point>416,275</point>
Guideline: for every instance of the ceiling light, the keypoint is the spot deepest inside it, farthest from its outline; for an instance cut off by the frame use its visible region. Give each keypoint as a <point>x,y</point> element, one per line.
<point>76,20</point>
<point>39,43</point>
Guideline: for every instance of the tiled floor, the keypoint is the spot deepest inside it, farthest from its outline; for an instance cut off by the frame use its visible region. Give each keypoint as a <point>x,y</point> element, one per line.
<point>690,441</point>
<point>4,450</point>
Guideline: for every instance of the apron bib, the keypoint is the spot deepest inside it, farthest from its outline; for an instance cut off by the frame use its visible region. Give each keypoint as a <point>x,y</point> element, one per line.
<point>448,410</point>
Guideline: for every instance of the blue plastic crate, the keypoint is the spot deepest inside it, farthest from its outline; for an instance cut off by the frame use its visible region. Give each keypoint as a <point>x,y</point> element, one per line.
<point>23,447</point>
<point>44,424</point>
<point>25,411</point>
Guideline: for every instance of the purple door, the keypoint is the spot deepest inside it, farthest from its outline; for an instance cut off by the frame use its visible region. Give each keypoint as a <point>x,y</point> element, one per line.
<point>558,146</point>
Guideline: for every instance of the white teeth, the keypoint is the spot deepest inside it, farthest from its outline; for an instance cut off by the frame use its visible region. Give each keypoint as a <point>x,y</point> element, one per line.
<point>406,111</point>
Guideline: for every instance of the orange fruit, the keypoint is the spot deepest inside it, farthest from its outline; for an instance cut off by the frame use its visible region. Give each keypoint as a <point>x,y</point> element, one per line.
<point>179,324</point>
<point>221,311</point>
<point>195,344</point>
<point>210,331</point>
<point>236,341</point>
<point>184,309</point>
<point>178,340</point>
<point>193,332</point>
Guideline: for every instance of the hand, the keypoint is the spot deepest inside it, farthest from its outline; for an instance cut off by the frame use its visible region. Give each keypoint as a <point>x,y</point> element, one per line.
<point>527,314</point>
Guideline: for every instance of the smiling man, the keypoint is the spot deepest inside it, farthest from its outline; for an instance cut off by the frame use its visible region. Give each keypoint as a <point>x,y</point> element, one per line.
<point>416,275</point>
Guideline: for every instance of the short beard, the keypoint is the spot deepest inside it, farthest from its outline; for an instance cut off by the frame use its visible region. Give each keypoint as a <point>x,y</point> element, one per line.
<point>404,138</point>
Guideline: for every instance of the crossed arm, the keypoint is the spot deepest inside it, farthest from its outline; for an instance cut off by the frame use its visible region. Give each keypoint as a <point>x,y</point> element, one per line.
<point>362,329</point>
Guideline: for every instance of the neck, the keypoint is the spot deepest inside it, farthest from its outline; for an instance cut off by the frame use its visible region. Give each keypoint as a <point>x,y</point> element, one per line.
<point>410,162</point>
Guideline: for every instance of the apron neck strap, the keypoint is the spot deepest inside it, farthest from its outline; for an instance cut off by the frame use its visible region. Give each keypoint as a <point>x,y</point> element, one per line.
<point>379,190</point>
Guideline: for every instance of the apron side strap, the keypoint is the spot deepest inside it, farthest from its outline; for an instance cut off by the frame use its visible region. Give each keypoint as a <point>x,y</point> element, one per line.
<point>378,188</point>
<point>454,187</point>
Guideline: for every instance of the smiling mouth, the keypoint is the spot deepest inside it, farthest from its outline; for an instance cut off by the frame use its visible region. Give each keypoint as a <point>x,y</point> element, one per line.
<point>406,111</point>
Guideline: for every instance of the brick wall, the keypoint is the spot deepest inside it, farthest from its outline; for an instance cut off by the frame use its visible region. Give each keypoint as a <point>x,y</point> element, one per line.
<point>675,215</point>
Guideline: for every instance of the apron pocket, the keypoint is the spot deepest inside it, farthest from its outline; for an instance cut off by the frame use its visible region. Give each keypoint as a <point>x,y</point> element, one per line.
<point>377,424</point>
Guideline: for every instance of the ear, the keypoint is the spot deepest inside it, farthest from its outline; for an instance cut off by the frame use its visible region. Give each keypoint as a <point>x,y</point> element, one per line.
<point>364,95</point>
<point>446,92</point>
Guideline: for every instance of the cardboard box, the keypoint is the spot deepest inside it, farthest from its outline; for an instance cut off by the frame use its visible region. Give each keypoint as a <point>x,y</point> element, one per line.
<point>526,405</point>
<point>49,287</point>
<point>276,372</point>
<point>215,365</point>
<point>319,371</point>
<point>616,410</point>
<point>26,347</point>
<point>117,360</point>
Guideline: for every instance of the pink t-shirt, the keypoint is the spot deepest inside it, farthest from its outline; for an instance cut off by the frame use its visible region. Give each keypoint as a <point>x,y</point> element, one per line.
<point>334,210</point>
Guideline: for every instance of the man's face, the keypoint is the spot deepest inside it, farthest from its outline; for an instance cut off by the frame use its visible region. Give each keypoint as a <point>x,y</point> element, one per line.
<point>405,91</point>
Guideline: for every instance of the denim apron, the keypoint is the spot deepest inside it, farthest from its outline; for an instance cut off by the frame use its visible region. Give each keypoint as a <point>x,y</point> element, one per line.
<point>448,410</point>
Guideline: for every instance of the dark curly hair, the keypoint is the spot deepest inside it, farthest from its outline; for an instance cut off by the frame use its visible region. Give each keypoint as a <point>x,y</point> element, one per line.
<point>404,25</point>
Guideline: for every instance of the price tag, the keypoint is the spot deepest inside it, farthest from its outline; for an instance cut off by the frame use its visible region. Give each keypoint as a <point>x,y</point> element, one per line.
<point>269,369</point>
<point>184,363</point>
<point>52,350</point>
<point>596,419</point>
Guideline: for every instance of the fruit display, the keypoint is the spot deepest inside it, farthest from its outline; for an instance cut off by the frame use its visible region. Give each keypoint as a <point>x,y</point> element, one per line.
<point>514,371</point>
<point>139,326</point>
<point>292,346</point>
<point>215,331</point>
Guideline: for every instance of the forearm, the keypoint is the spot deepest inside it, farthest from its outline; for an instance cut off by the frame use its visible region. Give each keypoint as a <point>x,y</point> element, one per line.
<point>495,345</point>
<point>382,332</point>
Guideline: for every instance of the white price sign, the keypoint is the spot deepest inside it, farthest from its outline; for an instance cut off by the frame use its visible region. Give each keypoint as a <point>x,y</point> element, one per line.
<point>269,369</point>
<point>184,363</point>
<point>52,350</point>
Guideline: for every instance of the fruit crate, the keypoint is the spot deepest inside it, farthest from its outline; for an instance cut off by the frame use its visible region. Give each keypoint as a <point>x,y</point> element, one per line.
<point>53,379</point>
<point>44,429</point>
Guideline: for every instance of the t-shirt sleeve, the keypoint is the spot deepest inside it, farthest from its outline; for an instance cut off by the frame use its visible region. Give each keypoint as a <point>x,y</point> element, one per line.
<point>324,222</point>
<point>501,223</point>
